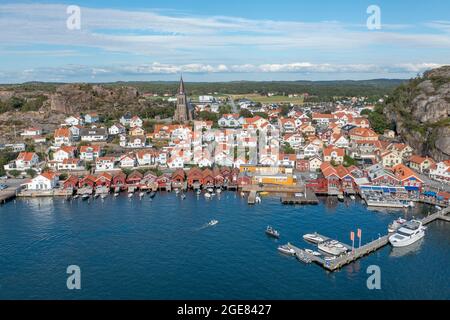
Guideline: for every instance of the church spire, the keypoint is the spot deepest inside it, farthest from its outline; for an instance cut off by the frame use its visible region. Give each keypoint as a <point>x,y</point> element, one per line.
<point>181,90</point>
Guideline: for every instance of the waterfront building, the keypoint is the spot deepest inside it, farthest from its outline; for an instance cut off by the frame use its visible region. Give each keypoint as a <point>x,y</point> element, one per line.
<point>42,182</point>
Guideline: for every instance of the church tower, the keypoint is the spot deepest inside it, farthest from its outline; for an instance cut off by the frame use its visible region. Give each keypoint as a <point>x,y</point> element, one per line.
<point>183,112</point>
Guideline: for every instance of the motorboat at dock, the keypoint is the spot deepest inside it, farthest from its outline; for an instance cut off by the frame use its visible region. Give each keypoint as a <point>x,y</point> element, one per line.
<point>314,238</point>
<point>407,234</point>
<point>272,232</point>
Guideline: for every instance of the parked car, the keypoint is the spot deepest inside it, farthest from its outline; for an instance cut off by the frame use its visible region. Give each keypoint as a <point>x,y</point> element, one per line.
<point>3,186</point>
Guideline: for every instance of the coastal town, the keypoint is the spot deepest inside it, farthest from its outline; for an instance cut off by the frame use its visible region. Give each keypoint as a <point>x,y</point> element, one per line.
<point>296,150</point>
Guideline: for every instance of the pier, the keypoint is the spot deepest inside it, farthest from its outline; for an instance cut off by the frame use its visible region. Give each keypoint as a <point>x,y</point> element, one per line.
<point>357,253</point>
<point>6,195</point>
<point>305,198</point>
<point>252,197</point>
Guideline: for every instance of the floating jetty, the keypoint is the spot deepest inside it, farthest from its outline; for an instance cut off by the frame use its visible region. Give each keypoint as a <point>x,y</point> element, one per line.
<point>304,198</point>
<point>357,253</point>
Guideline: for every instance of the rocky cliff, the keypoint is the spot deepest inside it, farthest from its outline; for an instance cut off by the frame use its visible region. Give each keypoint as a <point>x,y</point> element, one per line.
<point>420,110</point>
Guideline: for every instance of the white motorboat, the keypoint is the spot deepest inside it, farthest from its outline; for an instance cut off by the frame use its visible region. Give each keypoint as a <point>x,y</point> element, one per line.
<point>104,196</point>
<point>207,195</point>
<point>332,248</point>
<point>116,194</point>
<point>408,234</point>
<point>141,194</point>
<point>352,197</point>
<point>130,195</point>
<point>213,222</point>
<point>312,252</point>
<point>272,232</point>
<point>183,196</point>
<point>313,237</point>
<point>341,198</point>
<point>198,192</point>
<point>439,208</point>
<point>394,226</point>
<point>85,196</point>
<point>286,249</point>
<point>96,195</point>
<point>76,196</point>
<point>258,199</point>
<point>219,190</point>
<point>211,190</point>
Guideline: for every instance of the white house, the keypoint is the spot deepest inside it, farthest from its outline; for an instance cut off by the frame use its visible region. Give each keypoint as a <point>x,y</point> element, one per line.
<point>232,120</point>
<point>64,153</point>
<point>89,153</point>
<point>441,171</point>
<point>175,162</point>
<point>74,121</point>
<point>91,118</point>
<point>93,134</point>
<point>104,163</point>
<point>31,132</point>
<point>24,161</point>
<point>44,181</point>
<point>136,122</point>
<point>70,164</point>
<point>62,136</point>
<point>128,161</point>
<point>146,157</point>
<point>126,119</point>
<point>116,129</point>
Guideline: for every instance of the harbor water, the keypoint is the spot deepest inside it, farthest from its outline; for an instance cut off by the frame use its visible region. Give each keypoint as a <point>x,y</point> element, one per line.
<point>164,249</point>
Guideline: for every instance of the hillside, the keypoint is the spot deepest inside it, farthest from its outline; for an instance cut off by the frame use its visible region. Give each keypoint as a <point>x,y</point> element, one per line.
<point>420,110</point>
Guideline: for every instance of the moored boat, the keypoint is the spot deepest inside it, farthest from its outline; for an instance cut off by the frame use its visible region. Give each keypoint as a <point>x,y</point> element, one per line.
<point>85,196</point>
<point>313,237</point>
<point>213,222</point>
<point>333,248</point>
<point>407,234</point>
<point>394,226</point>
<point>286,249</point>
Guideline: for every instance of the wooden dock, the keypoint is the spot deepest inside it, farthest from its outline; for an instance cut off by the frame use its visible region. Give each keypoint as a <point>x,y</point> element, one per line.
<point>6,195</point>
<point>357,253</point>
<point>305,198</point>
<point>252,197</point>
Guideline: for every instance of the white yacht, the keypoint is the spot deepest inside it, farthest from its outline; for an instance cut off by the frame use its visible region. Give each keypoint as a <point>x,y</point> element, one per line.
<point>313,237</point>
<point>409,233</point>
<point>394,226</point>
<point>332,247</point>
<point>213,222</point>
<point>207,195</point>
<point>286,249</point>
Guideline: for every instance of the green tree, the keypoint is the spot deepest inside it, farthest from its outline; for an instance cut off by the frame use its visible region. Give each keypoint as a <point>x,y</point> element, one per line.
<point>349,161</point>
<point>14,173</point>
<point>31,173</point>
<point>287,149</point>
<point>245,113</point>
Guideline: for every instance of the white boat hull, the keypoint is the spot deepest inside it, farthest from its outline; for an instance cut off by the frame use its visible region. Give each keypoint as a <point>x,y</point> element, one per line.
<point>408,241</point>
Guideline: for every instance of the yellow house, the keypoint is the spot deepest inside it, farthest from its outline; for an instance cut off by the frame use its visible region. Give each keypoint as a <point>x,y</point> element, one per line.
<point>264,170</point>
<point>137,131</point>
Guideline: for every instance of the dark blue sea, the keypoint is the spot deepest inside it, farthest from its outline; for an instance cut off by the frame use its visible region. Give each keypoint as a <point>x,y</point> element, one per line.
<point>163,249</point>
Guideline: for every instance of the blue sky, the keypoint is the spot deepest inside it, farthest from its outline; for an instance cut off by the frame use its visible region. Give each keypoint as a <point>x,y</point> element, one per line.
<point>221,40</point>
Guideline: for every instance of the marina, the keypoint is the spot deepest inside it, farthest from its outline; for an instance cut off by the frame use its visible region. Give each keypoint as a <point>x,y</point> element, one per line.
<point>356,253</point>
<point>50,233</point>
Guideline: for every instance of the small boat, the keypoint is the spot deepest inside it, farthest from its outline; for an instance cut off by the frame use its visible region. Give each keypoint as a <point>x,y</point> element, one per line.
<point>207,195</point>
<point>104,196</point>
<point>352,197</point>
<point>332,248</point>
<point>219,191</point>
<point>314,238</point>
<point>152,194</point>
<point>183,196</point>
<point>211,190</point>
<point>272,232</point>
<point>264,193</point>
<point>312,252</point>
<point>439,208</point>
<point>177,191</point>
<point>394,226</point>
<point>408,234</point>
<point>412,204</point>
<point>141,194</point>
<point>242,194</point>
<point>257,199</point>
<point>85,197</point>
<point>76,196</point>
<point>116,194</point>
<point>213,222</point>
<point>286,249</point>
<point>130,195</point>
<point>96,195</point>
<point>198,192</point>
<point>341,198</point>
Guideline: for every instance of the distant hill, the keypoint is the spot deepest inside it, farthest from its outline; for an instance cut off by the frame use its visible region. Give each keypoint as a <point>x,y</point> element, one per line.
<point>420,109</point>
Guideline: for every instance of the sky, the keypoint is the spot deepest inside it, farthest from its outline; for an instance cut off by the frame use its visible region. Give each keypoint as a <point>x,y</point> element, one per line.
<point>221,40</point>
